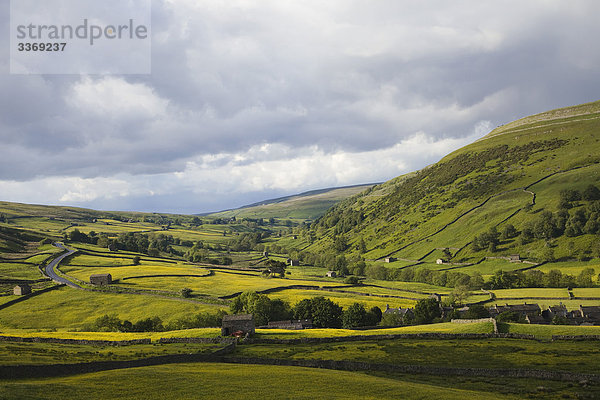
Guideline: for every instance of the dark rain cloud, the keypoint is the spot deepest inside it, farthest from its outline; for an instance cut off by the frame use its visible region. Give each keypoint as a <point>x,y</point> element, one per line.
<point>344,76</point>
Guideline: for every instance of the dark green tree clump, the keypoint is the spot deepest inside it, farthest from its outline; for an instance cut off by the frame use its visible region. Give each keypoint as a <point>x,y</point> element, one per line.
<point>323,312</point>
<point>427,311</point>
<point>356,316</point>
<point>262,307</point>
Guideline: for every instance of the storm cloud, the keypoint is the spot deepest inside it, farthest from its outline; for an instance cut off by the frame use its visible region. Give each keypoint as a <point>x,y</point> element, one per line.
<point>254,99</point>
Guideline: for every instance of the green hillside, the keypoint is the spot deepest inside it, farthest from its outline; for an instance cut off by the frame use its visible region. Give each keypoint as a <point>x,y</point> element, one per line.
<point>539,175</point>
<point>304,206</point>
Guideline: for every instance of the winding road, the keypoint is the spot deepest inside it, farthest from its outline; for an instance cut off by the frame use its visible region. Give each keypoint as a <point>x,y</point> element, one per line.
<point>50,267</point>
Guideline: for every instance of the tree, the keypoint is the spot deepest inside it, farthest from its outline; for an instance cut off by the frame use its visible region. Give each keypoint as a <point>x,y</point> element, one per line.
<point>323,312</point>
<point>136,260</point>
<point>276,267</point>
<point>340,244</point>
<point>185,292</point>
<point>570,195</point>
<point>477,311</point>
<point>553,278</point>
<point>426,310</point>
<point>354,316</point>
<point>546,254</point>
<point>545,227</point>
<point>196,221</point>
<point>259,305</point>
<point>76,236</point>
<point>459,294</point>
<point>361,246</point>
<point>509,232</point>
<point>476,281</point>
<point>511,316</point>
<point>153,324</point>
<point>378,272</point>
<point>584,279</point>
<point>591,193</point>
<point>374,316</point>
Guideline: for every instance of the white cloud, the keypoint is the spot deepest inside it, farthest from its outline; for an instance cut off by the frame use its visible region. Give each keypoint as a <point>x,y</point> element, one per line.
<point>114,97</point>
<point>282,96</point>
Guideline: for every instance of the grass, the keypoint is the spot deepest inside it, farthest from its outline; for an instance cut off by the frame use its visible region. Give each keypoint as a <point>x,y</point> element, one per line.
<point>586,292</point>
<point>446,327</point>
<point>546,331</point>
<point>572,267</point>
<point>304,206</point>
<point>221,283</point>
<point>19,271</point>
<point>154,336</point>
<point>582,357</point>
<point>219,381</point>
<point>532,293</point>
<point>294,296</point>
<point>119,272</point>
<point>17,353</point>
<point>71,309</point>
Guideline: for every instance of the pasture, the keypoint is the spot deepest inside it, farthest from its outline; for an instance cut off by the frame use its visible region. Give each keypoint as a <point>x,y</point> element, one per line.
<point>218,381</point>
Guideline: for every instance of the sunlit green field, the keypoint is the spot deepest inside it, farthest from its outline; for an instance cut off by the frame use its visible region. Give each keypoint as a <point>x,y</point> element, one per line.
<point>19,270</point>
<point>532,293</point>
<point>218,381</point>
<point>546,331</point>
<point>68,309</point>
<point>472,353</point>
<point>586,292</point>
<point>19,353</point>
<point>343,299</point>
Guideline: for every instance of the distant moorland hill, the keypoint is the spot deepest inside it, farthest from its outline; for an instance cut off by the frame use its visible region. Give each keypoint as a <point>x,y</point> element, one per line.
<point>308,205</point>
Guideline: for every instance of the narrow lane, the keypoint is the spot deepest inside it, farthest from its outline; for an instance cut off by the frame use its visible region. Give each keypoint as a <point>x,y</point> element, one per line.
<point>50,267</point>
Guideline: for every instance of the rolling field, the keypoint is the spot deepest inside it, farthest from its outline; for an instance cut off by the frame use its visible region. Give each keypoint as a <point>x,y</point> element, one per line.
<point>218,381</point>
<point>16,353</point>
<point>71,309</point>
<point>471,353</point>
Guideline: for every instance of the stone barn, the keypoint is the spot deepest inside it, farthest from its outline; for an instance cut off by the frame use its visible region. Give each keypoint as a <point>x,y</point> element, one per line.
<point>235,323</point>
<point>332,274</point>
<point>101,279</point>
<point>390,259</point>
<point>21,290</point>
<point>294,263</point>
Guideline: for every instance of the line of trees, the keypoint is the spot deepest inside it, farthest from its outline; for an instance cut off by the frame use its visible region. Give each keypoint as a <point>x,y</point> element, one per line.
<point>112,323</point>
<point>538,279</point>
<point>323,312</point>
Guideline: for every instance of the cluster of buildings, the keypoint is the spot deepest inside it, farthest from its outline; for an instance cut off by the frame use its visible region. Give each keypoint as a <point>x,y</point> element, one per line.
<point>533,314</point>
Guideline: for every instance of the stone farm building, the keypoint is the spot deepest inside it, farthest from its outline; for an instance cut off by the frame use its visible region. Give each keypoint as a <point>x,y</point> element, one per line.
<point>21,290</point>
<point>390,259</point>
<point>403,312</point>
<point>238,323</point>
<point>294,263</point>
<point>523,309</point>
<point>331,274</point>
<point>291,324</point>
<point>101,279</point>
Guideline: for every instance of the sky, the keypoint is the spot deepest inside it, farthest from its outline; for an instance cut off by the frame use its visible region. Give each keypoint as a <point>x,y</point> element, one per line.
<point>253,99</point>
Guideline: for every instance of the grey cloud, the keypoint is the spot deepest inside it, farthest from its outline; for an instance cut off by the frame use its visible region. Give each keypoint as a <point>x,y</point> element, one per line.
<point>349,76</point>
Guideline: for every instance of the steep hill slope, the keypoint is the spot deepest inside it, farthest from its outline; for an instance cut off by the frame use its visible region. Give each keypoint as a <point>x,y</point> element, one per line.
<point>517,175</point>
<point>308,205</point>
